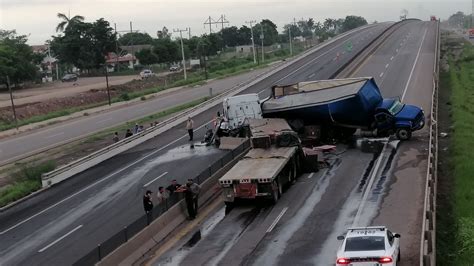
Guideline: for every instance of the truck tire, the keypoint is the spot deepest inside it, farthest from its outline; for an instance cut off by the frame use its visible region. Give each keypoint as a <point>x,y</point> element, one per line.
<point>276,193</point>
<point>403,133</point>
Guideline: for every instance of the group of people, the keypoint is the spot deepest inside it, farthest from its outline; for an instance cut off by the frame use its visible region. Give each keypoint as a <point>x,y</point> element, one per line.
<point>190,190</point>
<point>130,132</point>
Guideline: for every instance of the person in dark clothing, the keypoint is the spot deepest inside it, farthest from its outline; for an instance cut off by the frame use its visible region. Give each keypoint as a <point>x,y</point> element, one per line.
<point>189,198</point>
<point>128,133</point>
<point>148,205</point>
<point>173,187</point>
<point>195,189</point>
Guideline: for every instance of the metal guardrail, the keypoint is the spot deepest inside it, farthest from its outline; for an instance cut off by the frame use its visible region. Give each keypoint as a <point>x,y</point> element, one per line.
<point>121,237</point>
<point>428,232</point>
<point>48,179</point>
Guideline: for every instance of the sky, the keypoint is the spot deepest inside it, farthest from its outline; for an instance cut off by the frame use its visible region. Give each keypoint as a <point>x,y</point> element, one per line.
<point>37,18</point>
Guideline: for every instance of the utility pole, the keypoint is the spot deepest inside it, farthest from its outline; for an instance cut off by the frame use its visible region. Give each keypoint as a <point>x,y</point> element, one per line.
<point>223,21</point>
<point>13,104</point>
<point>209,22</point>
<point>131,46</point>
<point>189,33</point>
<point>107,83</point>
<point>116,49</point>
<point>182,49</point>
<point>253,43</point>
<point>289,37</point>
<point>261,38</point>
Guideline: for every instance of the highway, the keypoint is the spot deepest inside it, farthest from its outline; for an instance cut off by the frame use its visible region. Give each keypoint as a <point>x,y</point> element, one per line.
<point>358,189</point>
<point>18,146</point>
<point>64,223</point>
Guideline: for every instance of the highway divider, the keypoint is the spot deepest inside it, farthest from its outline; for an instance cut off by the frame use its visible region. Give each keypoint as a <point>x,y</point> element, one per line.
<point>428,232</point>
<point>73,168</point>
<point>135,240</point>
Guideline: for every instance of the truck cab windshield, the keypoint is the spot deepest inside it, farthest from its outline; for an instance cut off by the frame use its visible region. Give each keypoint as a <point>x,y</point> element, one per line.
<point>396,107</point>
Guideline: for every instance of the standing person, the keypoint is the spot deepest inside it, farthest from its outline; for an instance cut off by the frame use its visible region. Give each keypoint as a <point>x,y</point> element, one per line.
<point>148,205</point>
<point>128,133</point>
<point>173,187</point>
<point>116,137</point>
<point>135,129</point>
<point>195,189</point>
<point>189,199</point>
<point>162,195</point>
<point>190,128</point>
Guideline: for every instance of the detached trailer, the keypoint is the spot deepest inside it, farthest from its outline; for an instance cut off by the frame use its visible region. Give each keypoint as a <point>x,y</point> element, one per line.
<point>273,162</point>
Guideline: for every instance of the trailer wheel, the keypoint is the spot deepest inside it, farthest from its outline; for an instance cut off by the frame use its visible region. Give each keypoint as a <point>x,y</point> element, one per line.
<point>276,192</point>
<point>403,133</point>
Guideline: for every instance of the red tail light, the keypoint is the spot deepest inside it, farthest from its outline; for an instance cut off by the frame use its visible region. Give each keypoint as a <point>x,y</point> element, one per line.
<point>385,260</point>
<point>343,261</point>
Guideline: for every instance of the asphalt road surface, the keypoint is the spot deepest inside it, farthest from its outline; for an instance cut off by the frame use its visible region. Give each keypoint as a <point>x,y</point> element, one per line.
<point>359,189</point>
<point>64,223</point>
<point>317,65</point>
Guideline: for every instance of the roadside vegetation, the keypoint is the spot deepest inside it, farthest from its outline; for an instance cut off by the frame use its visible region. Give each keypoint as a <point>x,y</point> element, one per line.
<point>25,178</point>
<point>455,211</point>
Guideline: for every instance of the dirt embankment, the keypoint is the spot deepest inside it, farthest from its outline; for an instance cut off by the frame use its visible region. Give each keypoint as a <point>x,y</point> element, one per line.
<point>83,99</point>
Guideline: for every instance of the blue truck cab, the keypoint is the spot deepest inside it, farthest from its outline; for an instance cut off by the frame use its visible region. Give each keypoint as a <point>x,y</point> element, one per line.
<point>392,116</point>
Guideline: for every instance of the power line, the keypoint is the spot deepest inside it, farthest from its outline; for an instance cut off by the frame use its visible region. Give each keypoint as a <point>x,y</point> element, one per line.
<point>209,21</point>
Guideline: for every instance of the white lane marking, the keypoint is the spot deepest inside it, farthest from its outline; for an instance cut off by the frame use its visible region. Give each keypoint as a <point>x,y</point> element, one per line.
<point>55,135</point>
<point>59,239</point>
<point>414,64</point>
<point>401,43</point>
<point>277,219</point>
<point>391,58</point>
<point>386,66</point>
<point>311,175</point>
<point>103,120</point>
<point>381,74</point>
<point>149,183</point>
<point>369,186</point>
<point>312,75</point>
<point>99,181</point>
<point>396,50</point>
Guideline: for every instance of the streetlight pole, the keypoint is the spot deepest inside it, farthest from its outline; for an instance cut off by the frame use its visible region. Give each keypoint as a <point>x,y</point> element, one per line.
<point>253,43</point>
<point>13,104</point>
<point>261,38</point>
<point>182,50</point>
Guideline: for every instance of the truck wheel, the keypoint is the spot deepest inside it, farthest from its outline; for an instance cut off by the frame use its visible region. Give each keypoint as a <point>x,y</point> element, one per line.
<point>276,193</point>
<point>403,133</point>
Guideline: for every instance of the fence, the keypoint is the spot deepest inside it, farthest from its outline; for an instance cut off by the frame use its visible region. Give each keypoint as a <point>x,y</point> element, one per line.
<point>121,237</point>
<point>428,233</point>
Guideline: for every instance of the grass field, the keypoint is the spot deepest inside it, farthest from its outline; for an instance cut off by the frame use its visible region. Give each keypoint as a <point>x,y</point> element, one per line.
<point>456,216</point>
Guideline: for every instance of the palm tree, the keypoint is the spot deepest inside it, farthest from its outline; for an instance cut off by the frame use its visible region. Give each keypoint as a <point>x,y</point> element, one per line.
<point>67,21</point>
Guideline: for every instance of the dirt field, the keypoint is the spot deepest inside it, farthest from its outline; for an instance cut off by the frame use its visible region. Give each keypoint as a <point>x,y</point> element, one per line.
<point>59,96</point>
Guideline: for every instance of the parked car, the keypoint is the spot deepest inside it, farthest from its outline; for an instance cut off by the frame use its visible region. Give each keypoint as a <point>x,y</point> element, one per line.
<point>69,77</point>
<point>374,245</point>
<point>146,73</point>
<point>174,68</point>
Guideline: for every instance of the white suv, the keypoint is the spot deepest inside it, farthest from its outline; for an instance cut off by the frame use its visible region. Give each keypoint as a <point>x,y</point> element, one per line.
<point>146,74</point>
<point>364,246</point>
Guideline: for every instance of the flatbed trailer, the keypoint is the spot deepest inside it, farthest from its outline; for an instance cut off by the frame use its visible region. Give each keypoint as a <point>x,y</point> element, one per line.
<point>271,164</point>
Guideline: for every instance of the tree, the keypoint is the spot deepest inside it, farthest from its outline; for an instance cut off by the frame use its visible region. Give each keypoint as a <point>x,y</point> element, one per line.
<point>166,50</point>
<point>245,36</point>
<point>147,57</point>
<point>230,36</point>
<point>67,21</point>
<point>16,58</point>
<point>135,38</point>
<point>352,22</point>
<point>270,32</point>
<point>85,45</point>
